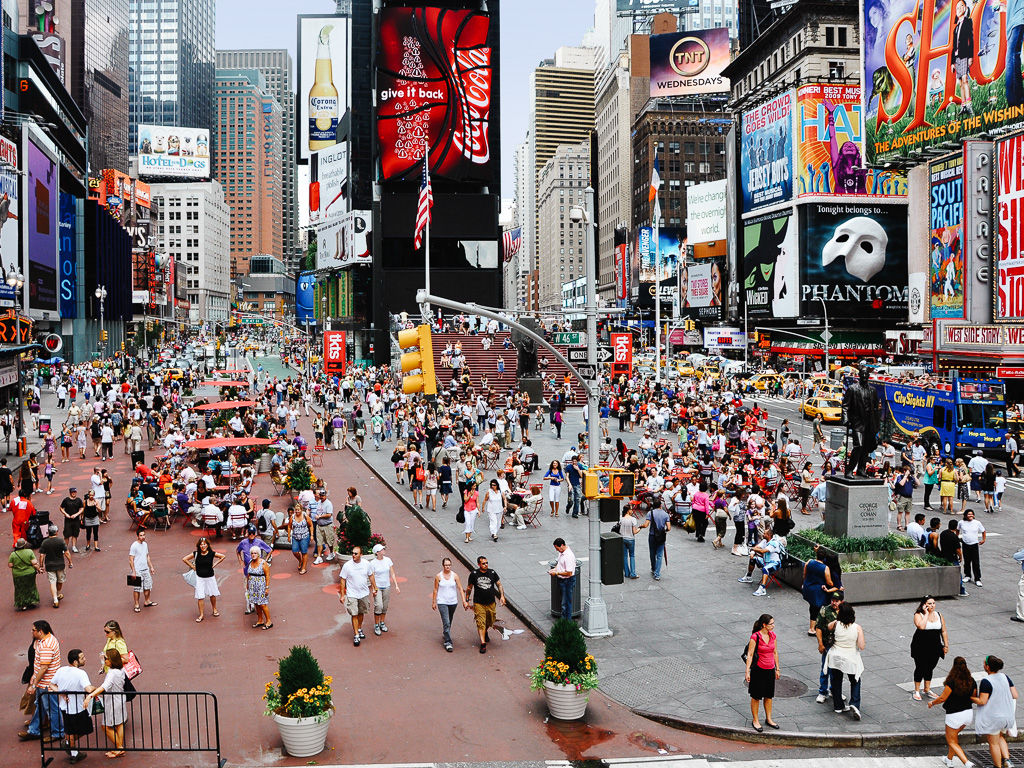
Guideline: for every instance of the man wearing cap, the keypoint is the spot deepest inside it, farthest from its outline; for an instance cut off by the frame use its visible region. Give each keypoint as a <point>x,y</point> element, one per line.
<point>321,512</point>
<point>384,577</point>
<point>357,580</point>
<point>54,553</point>
<point>251,541</point>
<point>826,637</point>
<point>72,507</point>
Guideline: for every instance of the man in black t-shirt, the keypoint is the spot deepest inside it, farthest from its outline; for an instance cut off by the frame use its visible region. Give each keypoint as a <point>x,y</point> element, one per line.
<point>488,589</point>
<point>54,553</point>
<point>71,508</point>
<point>950,549</point>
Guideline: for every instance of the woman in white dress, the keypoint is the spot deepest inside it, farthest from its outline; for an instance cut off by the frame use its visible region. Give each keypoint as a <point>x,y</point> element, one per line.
<point>843,658</point>
<point>114,705</point>
<point>997,710</point>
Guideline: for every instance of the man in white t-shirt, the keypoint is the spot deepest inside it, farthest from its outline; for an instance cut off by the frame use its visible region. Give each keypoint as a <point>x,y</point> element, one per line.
<point>972,536</point>
<point>356,581</point>
<point>74,681</point>
<point>384,577</point>
<point>96,482</point>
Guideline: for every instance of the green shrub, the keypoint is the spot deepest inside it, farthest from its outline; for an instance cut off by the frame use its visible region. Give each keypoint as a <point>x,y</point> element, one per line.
<point>357,529</point>
<point>300,476</point>
<point>299,670</point>
<point>302,689</point>
<point>849,544</point>
<point>567,645</point>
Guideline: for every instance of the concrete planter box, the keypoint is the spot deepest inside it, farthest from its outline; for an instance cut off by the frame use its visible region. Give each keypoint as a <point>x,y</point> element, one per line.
<point>886,586</point>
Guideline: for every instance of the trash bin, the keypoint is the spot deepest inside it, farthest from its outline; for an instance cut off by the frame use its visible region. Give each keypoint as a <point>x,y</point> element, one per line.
<point>836,439</point>
<point>556,593</point>
<point>44,425</point>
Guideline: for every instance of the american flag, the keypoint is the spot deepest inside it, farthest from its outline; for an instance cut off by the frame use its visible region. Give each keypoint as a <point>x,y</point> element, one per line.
<point>423,208</point>
<point>512,241</point>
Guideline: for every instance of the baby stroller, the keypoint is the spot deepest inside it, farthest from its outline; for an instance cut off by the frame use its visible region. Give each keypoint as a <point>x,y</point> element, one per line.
<point>35,531</point>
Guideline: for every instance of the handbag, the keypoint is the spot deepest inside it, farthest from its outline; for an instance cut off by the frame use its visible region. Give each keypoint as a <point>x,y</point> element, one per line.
<point>28,703</point>
<point>132,667</point>
<point>134,581</point>
<point>617,528</point>
<point>690,524</point>
<point>190,577</point>
<point>460,516</point>
<point>97,707</point>
<point>129,690</point>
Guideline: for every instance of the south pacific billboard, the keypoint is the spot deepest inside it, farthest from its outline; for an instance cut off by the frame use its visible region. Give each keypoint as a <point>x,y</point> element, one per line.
<point>689,63</point>
<point>854,258</point>
<point>946,246</point>
<point>434,89</point>
<point>769,277</point>
<point>937,71</point>
<point>766,153</point>
<point>829,134</point>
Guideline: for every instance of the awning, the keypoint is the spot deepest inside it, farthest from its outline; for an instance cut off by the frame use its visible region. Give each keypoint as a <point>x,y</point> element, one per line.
<point>227,442</point>
<point>232,372</point>
<point>225,383</point>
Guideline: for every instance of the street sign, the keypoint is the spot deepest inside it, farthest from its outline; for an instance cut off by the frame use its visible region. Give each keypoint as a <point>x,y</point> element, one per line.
<point>572,338</point>
<point>251,321</point>
<point>577,355</point>
<point>587,371</point>
<point>604,354</point>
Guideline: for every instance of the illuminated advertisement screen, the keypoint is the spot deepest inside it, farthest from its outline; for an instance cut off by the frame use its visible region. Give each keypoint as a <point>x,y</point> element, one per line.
<point>68,263</point>
<point>1009,261</point>
<point>170,151</point>
<point>937,71</point>
<point>10,210</point>
<point>766,153</point>
<point>689,63</point>
<point>323,85</point>
<point>946,249</point>
<point>434,82</point>
<point>42,208</point>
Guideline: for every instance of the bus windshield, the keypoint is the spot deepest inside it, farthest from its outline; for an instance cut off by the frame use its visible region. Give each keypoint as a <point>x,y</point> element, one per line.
<point>982,416</point>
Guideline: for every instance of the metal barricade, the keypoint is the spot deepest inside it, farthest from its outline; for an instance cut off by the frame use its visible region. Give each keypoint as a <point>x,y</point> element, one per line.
<point>153,722</point>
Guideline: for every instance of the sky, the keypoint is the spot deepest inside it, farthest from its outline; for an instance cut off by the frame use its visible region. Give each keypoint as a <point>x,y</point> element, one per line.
<point>531,30</point>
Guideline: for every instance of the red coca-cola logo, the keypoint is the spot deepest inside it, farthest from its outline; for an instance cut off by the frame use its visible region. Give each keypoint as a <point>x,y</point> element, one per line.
<point>434,81</point>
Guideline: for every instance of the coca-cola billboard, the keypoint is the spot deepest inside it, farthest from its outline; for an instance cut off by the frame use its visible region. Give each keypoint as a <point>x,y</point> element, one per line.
<point>434,80</point>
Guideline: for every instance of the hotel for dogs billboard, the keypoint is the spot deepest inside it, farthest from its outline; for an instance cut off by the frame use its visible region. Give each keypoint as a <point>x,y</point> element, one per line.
<point>937,71</point>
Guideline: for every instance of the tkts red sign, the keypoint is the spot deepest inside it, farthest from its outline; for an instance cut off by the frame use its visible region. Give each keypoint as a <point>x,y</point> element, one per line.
<point>334,353</point>
<point>622,351</point>
<point>434,89</point>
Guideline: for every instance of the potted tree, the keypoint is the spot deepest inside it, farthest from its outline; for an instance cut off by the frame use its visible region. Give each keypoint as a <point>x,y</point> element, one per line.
<point>299,476</point>
<point>300,703</point>
<point>567,672</point>
<point>354,531</point>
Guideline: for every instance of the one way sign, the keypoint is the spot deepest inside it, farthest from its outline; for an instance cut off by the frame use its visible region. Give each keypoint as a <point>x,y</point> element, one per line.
<point>579,355</point>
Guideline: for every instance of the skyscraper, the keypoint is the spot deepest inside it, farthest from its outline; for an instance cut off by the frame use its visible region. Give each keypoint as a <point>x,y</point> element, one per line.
<point>97,78</point>
<point>247,163</point>
<point>171,64</point>
<point>276,67</point>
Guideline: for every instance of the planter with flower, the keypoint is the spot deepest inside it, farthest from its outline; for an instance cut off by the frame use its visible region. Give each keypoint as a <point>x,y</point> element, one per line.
<point>300,703</point>
<point>354,531</point>
<point>567,673</point>
<point>299,476</point>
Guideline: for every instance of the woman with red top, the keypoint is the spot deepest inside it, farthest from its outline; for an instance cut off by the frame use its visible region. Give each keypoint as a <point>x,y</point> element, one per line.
<point>762,669</point>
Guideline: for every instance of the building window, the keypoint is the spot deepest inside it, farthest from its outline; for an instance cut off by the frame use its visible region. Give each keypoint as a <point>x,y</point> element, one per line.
<point>830,37</point>
<point>842,37</point>
<point>837,70</point>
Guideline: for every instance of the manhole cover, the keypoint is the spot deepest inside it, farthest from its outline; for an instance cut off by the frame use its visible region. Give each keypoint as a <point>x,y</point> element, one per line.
<point>789,688</point>
<point>981,755</point>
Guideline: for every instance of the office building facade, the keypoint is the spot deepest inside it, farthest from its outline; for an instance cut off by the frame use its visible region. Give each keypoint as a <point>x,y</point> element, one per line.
<point>276,67</point>
<point>247,162</point>
<point>171,62</point>
<point>561,242</point>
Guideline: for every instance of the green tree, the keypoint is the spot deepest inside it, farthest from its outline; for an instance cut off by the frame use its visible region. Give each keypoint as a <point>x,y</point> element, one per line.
<point>357,528</point>
<point>298,670</point>
<point>309,261</point>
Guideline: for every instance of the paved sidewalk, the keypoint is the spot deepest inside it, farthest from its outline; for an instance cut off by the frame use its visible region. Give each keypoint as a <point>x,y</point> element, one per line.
<point>677,642</point>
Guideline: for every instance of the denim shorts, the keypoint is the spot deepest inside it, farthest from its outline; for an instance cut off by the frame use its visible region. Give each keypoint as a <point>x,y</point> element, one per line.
<point>300,545</point>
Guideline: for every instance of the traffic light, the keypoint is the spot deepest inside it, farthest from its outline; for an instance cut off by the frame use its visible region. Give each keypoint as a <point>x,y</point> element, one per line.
<point>421,358</point>
<point>122,346</point>
<point>103,335</point>
<point>757,337</point>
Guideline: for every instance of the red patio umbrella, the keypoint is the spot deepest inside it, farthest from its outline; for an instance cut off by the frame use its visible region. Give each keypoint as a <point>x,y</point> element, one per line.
<point>225,383</point>
<point>232,371</point>
<point>225,405</point>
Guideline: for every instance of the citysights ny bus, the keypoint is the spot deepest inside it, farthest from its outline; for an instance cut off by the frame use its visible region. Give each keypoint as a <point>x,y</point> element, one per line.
<point>959,418</point>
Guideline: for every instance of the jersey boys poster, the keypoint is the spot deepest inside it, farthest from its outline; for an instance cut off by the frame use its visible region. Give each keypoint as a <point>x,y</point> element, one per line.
<point>766,156</point>
<point>434,88</point>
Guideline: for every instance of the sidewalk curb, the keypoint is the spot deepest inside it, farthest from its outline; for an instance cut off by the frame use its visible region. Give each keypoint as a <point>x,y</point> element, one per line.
<point>527,621</point>
<point>781,738</point>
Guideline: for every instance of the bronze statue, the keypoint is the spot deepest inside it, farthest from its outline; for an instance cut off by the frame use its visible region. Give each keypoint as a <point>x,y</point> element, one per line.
<point>526,349</point>
<point>862,417</point>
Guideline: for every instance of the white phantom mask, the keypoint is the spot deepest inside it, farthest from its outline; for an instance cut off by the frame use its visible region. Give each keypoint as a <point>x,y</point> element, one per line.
<point>861,241</point>
<point>785,299</point>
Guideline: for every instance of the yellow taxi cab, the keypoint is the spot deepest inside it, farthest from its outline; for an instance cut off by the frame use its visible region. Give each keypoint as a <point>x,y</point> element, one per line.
<point>761,381</point>
<point>830,408</point>
<point>829,391</point>
<point>683,368</point>
<point>175,373</point>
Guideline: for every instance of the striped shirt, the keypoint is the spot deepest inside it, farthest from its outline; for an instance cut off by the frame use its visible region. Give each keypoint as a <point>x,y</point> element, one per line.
<point>47,652</point>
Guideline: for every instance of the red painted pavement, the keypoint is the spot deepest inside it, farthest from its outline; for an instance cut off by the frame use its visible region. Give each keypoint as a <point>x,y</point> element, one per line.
<point>399,697</point>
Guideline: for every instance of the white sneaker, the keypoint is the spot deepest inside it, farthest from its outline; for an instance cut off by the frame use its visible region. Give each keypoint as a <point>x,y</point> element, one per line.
<point>743,552</point>
<point>75,550</point>
<point>948,763</point>
<point>822,698</point>
<point>760,592</point>
<point>965,580</point>
<point>318,561</point>
<point>330,556</point>
<point>978,584</point>
<point>520,527</point>
<point>745,580</point>
<point>855,710</point>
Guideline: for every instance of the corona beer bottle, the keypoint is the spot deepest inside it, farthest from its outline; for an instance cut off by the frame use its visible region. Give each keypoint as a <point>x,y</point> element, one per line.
<point>323,97</point>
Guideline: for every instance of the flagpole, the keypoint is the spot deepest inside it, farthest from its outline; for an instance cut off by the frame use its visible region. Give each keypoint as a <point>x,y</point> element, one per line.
<point>427,312</point>
<point>657,297</point>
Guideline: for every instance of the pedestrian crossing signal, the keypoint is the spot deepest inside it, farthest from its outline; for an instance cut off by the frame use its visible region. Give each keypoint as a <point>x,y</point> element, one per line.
<point>604,483</point>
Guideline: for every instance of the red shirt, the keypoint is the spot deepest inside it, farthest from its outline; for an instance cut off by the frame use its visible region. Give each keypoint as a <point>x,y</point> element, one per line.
<point>22,508</point>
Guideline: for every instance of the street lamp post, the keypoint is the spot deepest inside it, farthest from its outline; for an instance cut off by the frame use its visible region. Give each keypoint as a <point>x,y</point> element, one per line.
<point>101,294</point>
<point>16,281</point>
<point>825,336</point>
<point>595,610</point>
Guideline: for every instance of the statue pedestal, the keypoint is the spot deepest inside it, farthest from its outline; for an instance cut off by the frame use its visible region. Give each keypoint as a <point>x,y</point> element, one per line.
<point>856,507</point>
<point>533,386</point>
